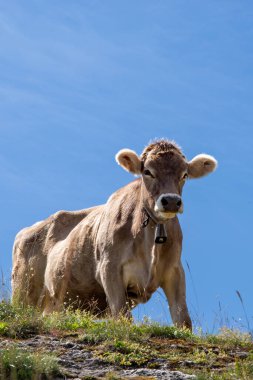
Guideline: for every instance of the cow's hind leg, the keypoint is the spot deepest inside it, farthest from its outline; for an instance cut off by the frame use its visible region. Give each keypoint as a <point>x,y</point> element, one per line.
<point>54,292</point>
<point>50,303</point>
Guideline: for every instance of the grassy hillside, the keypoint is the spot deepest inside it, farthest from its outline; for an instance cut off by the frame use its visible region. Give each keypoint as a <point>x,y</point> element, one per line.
<point>65,345</point>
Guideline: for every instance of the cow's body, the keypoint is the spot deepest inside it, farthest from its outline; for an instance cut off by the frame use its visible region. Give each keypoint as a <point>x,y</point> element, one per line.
<point>105,257</point>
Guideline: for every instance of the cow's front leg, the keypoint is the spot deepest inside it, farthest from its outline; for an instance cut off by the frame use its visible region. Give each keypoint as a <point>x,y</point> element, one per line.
<point>174,288</point>
<point>112,283</point>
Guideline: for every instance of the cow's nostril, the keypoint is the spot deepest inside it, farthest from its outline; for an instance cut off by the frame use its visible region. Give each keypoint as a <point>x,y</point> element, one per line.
<point>179,203</point>
<point>164,201</point>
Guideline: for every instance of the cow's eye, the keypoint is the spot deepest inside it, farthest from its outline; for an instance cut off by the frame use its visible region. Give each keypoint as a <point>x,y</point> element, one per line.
<point>185,176</point>
<point>148,173</point>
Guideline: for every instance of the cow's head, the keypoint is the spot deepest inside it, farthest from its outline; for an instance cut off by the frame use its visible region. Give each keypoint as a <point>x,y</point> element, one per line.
<point>164,170</point>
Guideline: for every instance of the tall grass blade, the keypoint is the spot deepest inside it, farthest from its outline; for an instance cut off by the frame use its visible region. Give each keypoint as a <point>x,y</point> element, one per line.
<point>245,314</point>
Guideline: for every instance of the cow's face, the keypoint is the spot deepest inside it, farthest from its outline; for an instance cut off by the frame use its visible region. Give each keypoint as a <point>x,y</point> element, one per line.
<point>164,170</point>
<point>163,180</point>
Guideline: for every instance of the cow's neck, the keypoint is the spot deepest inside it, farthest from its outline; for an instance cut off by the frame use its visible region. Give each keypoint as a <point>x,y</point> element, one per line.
<point>160,236</point>
<point>143,215</point>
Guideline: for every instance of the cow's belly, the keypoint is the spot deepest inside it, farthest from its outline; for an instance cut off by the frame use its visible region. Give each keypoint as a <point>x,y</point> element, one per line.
<point>93,300</point>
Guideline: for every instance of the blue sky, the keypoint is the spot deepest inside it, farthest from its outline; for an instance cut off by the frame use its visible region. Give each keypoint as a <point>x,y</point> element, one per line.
<point>80,80</point>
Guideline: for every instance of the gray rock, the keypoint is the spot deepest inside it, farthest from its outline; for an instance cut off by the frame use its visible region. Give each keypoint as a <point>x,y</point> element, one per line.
<point>241,355</point>
<point>77,362</point>
<point>160,374</point>
<point>187,363</point>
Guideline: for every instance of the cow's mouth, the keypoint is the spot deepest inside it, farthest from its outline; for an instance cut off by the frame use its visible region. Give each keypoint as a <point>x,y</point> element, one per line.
<point>165,215</point>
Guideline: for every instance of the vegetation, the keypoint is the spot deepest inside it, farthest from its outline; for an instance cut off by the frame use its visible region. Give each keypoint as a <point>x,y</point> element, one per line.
<point>226,356</point>
<point>20,364</point>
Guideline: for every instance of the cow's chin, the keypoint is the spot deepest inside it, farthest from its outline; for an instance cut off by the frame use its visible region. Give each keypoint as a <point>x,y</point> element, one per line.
<point>163,216</point>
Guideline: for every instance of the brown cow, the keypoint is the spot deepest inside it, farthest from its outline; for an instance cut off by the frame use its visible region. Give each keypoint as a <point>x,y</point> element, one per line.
<point>119,253</point>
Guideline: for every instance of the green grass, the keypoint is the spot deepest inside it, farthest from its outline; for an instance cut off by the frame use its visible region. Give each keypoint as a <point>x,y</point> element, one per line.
<point>21,322</point>
<point>23,365</point>
<point>124,343</point>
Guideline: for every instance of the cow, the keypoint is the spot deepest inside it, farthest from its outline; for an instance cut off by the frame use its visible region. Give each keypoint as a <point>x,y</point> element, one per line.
<point>114,256</point>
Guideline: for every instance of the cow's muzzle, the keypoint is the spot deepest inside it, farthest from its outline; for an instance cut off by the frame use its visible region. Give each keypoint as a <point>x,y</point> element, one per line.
<point>169,204</point>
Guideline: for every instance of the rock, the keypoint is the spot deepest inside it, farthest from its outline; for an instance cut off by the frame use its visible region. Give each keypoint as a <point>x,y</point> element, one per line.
<point>160,374</point>
<point>241,355</point>
<point>68,345</point>
<point>76,361</point>
<point>187,363</point>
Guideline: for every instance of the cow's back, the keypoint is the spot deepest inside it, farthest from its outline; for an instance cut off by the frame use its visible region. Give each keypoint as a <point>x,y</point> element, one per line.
<point>30,251</point>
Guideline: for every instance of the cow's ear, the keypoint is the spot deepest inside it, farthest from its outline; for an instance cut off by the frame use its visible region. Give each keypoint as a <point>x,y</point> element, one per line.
<point>129,160</point>
<point>201,165</point>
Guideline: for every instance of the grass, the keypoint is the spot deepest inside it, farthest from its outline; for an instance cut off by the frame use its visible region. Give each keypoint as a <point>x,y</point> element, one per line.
<point>20,364</point>
<point>23,322</point>
<point>123,343</point>
<point>19,322</point>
